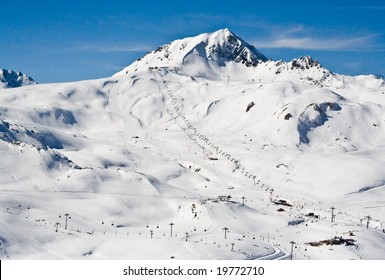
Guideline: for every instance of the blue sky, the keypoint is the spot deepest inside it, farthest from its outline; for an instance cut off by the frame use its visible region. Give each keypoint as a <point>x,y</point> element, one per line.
<point>58,41</point>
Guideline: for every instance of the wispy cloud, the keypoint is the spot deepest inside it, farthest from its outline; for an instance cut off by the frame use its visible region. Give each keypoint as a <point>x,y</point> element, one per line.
<point>318,43</point>
<point>92,48</point>
<point>104,48</point>
<point>300,37</point>
<point>357,8</point>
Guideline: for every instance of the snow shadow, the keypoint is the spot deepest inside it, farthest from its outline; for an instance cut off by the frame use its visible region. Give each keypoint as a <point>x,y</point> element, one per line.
<point>313,116</point>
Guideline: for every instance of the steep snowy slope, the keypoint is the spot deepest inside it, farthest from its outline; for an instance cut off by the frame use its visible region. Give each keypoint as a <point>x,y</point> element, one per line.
<point>11,79</point>
<point>238,154</point>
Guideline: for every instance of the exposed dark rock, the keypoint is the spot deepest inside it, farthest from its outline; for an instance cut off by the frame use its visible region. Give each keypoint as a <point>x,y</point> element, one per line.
<point>251,104</point>
<point>288,116</point>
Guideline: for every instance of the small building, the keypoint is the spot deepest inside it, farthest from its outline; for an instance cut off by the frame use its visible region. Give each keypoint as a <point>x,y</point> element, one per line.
<point>281,202</point>
<point>224,197</point>
<point>312,215</point>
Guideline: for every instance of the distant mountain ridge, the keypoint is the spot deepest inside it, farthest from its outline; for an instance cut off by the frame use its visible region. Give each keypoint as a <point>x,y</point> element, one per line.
<point>12,79</point>
<point>222,54</point>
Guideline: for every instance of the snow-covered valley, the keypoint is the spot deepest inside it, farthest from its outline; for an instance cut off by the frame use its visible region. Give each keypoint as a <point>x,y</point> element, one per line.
<point>202,149</point>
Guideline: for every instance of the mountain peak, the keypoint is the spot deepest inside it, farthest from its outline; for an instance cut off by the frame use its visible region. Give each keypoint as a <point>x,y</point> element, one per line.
<point>211,49</point>
<point>222,36</point>
<point>12,79</point>
<point>224,46</point>
<point>304,62</point>
<point>224,31</point>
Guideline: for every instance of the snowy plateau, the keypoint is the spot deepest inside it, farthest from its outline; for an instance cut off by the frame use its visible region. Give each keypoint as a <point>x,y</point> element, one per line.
<point>201,149</point>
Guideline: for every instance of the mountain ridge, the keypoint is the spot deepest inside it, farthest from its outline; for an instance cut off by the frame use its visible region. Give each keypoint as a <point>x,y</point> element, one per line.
<point>12,79</point>
<point>217,48</point>
<point>210,55</point>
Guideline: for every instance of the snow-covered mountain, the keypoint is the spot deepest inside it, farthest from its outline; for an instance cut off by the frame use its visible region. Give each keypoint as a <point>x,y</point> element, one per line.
<point>12,79</point>
<point>203,54</point>
<point>205,133</point>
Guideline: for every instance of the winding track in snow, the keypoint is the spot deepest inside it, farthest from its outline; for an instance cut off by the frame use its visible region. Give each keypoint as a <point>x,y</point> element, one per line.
<point>199,139</point>
<point>204,143</point>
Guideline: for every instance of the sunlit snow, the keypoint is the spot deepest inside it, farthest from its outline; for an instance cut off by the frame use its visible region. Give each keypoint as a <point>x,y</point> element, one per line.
<point>168,159</point>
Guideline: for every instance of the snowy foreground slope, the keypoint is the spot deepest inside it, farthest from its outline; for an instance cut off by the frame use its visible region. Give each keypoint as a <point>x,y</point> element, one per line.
<point>204,139</point>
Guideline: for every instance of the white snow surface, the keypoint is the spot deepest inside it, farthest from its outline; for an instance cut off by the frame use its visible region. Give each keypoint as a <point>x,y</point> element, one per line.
<point>204,133</point>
